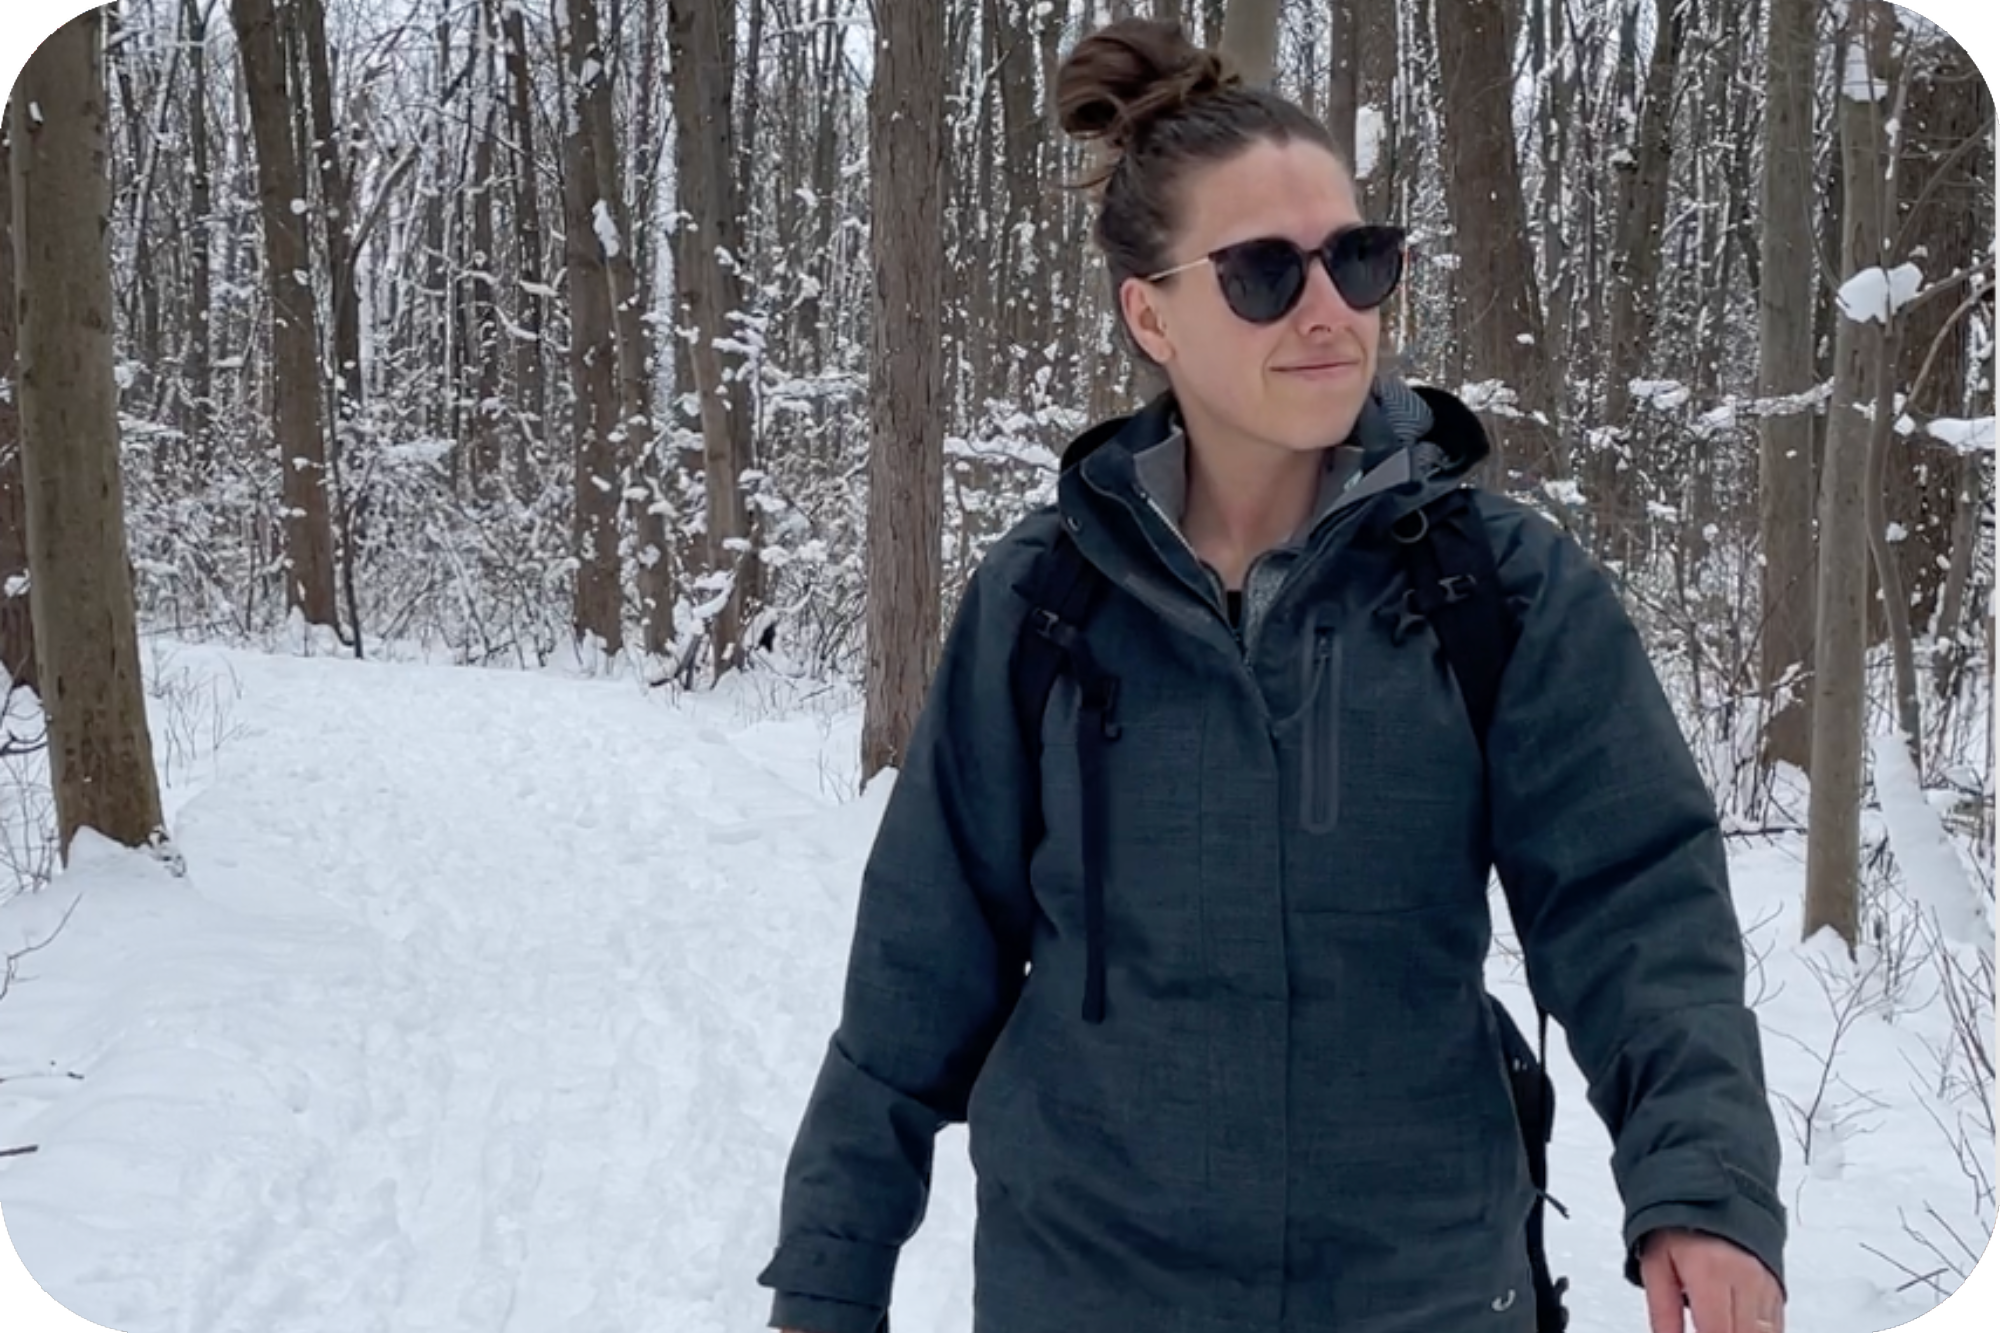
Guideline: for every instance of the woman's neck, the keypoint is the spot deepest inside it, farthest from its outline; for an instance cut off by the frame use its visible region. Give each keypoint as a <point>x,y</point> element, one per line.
<point>1244,498</point>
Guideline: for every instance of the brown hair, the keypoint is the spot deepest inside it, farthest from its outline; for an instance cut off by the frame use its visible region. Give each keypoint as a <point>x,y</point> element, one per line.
<point>1160,107</point>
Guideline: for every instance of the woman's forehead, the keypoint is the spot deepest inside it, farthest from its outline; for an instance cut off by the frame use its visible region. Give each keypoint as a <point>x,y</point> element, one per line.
<point>1296,190</point>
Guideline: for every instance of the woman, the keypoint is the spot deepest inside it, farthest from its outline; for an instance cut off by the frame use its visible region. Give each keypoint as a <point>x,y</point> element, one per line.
<point>1198,950</point>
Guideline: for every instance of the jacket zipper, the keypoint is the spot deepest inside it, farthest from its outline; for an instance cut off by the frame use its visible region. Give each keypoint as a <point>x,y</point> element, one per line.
<point>1319,795</point>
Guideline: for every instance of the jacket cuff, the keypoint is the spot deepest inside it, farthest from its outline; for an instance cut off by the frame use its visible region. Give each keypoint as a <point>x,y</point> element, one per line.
<point>833,1271</point>
<point>809,1314</point>
<point>1697,1190</point>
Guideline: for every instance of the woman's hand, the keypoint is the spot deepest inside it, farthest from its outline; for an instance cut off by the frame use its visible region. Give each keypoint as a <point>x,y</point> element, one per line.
<point>1724,1287</point>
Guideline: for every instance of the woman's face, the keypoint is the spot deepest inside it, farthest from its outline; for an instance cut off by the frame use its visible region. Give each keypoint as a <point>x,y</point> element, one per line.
<point>1297,384</point>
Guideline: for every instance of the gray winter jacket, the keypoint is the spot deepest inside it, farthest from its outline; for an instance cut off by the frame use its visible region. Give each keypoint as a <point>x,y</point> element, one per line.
<point>1294,1115</point>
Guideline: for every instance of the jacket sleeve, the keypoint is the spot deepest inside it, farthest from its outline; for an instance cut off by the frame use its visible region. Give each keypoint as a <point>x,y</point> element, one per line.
<point>1608,841</point>
<point>938,956</point>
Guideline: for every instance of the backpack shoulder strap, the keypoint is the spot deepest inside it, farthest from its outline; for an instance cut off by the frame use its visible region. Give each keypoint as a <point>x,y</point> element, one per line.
<point>1061,592</point>
<point>1455,586</point>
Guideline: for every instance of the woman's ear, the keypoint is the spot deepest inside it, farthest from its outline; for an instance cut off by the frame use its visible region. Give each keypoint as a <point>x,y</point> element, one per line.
<point>1139,302</point>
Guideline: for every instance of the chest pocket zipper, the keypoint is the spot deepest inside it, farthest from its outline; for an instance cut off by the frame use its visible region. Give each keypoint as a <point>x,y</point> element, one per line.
<point>1319,793</point>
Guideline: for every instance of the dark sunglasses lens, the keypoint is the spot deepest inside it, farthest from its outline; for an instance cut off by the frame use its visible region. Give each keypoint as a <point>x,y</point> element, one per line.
<point>1261,280</point>
<point>1365,264</point>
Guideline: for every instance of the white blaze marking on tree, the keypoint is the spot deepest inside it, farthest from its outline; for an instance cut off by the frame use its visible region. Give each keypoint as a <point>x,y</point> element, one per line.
<point>1370,129</point>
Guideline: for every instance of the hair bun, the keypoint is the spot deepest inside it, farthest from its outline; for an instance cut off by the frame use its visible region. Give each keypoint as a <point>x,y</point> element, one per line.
<point>1125,76</point>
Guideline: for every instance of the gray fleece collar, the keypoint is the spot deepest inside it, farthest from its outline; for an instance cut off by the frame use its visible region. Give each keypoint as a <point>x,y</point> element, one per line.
<point>1375,457</point>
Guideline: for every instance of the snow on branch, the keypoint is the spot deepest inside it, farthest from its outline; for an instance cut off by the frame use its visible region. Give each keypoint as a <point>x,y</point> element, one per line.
<point>1931,869</point>
<point>1877,293</point>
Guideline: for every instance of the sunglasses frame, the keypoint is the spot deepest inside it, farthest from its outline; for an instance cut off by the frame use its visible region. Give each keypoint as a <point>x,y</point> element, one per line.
<point>1323,252</point>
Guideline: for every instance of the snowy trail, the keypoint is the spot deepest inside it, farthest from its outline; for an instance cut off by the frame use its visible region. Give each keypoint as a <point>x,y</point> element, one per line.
<point>537,1100</point>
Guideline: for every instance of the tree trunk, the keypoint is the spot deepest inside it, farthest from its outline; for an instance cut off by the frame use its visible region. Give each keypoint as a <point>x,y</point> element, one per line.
<point>1500,309</point>
<point>649,144</point>
<point>1250,39</point>
<point>143,331</point>
<point>1557,135</point>
<point>481,300</point>
<point>1947,631</point>
<point>598,609</point>
<point>748,116</point>
<point>1371,28</point>
<point>1786,297</point>
<point>86,635</point>
<point>337,200</point>
<point>199,367</point>
<point>1020,242</point>
<point>308,525</point>
<point>1895,601</point>
<point>1943,195</point>
<point>529,368</point>
<point>1343,93</point>
<point>632,442</point>
<point>1635,269</point>
<point>702,33</point>
<point>17,620</point>
<point>906,448</point>
<point>1833,846</point>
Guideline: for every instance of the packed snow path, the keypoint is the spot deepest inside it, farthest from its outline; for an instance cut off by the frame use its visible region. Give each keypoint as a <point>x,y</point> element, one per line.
<point>489,1004</point>
<point>500,985</point>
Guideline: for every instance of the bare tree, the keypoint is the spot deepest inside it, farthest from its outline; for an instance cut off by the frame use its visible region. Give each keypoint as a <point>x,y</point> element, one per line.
<point>86,633</point>
<point>1343,93</point>
<point>481,320</point>
<point>632,438</point>
<point>598,600</point>
<point>1785,376</point>
<point>1498,302</point>
<point>295,387</point>
<point>529,371</point>
<point>198,365</point>
<point>1947,118</point>
<point>711,287</point>
<point>906,399</point>
<point>17,621</point>
<point>1833,847</point>
<point>1635,270</point>
<point>1250,38</point>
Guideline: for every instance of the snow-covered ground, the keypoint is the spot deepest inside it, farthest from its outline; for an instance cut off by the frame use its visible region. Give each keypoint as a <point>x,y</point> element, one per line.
<point>489,1001</point>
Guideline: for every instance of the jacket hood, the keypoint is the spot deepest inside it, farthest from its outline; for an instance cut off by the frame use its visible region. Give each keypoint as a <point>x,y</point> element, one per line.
<point>1446,434</point>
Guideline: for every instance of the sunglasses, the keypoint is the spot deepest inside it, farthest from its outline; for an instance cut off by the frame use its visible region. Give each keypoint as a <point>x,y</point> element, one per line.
<point>1263,280</point>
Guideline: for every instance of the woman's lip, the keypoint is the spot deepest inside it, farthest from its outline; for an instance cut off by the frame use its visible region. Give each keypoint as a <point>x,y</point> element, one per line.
<point>1323,365</point>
